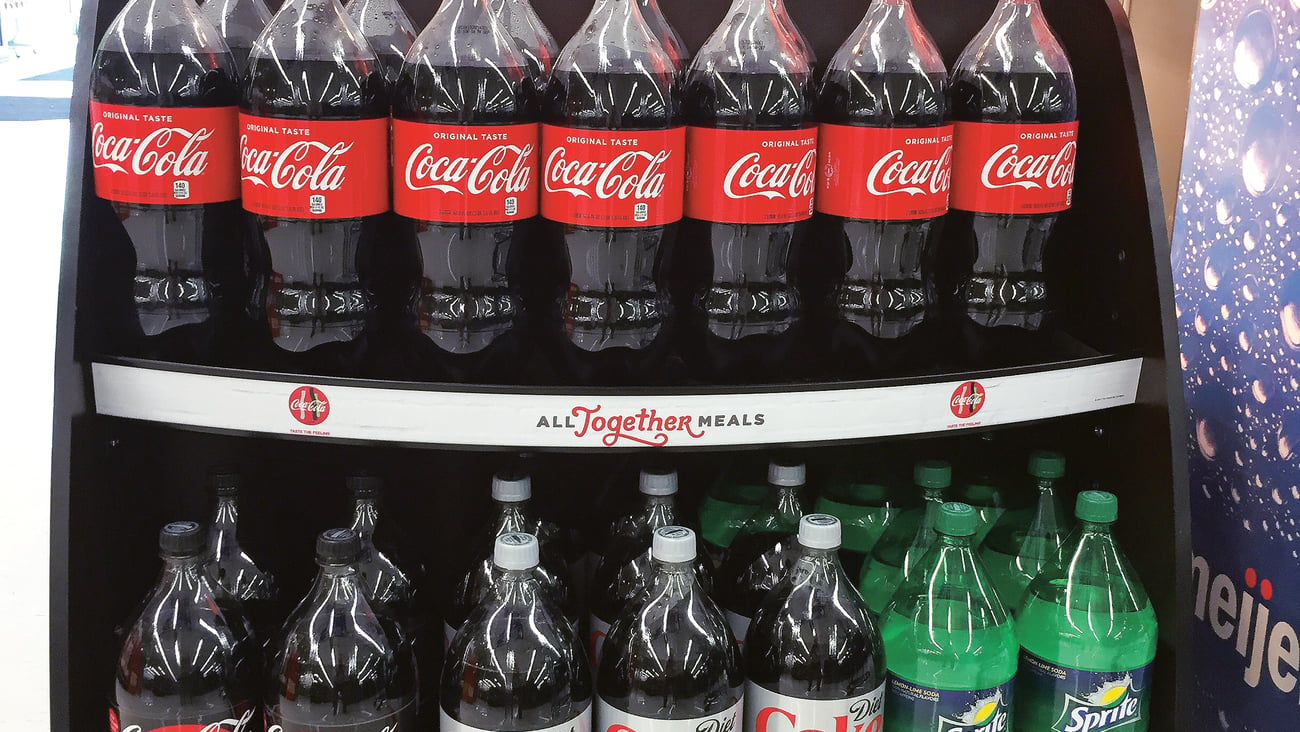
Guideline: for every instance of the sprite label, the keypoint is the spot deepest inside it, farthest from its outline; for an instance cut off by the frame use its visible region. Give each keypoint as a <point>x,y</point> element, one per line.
<point>1084,701</point>
<point>913,707</point>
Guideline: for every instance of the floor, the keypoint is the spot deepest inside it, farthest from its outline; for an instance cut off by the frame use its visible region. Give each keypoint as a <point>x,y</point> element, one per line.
<point>35,83</point>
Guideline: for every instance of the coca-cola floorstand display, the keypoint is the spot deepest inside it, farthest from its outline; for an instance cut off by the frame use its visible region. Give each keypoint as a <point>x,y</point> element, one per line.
<point>186,660</point>
<point>1014,113</point>
<point>613,150</point>
<point>885,152</point>
<point>751,175</point>
<point>164,151</point>
<point>313,131</point>
<point>465,152</point>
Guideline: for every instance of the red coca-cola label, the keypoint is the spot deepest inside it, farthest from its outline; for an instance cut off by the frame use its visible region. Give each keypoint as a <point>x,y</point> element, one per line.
<point>164,155</point>
<point>465,174</point>
<point>312,169</point>
<point>1013,168</point>
<point>751,176</point>
<point>612,178</point>
<point>884,173</point>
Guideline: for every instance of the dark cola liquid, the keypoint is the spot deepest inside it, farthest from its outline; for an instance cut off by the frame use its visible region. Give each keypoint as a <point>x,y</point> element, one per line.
<point>997,261</point>
<point>754,564</point>
<point>467,307</point>
<point>173,276</point>
<point>813,638</point>
<point>688,667</point>
<point>739,283</point>
<point>881,273</point>
<point>319,280</point>
<point>608,311</point>
<point>517,665</point>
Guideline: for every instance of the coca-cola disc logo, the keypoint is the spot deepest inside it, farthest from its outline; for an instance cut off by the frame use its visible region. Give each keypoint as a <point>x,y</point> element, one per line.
<point>309,405</point>
<point>967,400</point>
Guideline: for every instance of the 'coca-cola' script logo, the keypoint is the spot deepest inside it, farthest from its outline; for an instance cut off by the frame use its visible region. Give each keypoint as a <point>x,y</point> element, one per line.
<point>502,169</point>
<point>225,725</point>
<point>1014,168</point>
<point>752,176</point>
<point>309,405</point>
<point>894,173</point>
<point>603,178</point>
<point>305,164</point>
<point>967,400</point>
<point>163,155</point>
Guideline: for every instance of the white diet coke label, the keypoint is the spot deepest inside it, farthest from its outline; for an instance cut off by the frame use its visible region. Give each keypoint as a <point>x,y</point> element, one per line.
<point>609,719</point>
<point>768,711</point>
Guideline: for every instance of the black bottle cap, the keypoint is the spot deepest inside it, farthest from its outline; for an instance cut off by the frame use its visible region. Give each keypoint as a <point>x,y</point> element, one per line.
<point>337,546</point>
<point>365,486</point>
<point>227,483</point>
<point>182,539</point>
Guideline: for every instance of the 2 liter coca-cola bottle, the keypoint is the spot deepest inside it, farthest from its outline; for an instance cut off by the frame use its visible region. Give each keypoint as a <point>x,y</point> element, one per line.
<point>751,174</point>
<point>164,150</point>
<point>239,22</point>
<point>613,150</point>
<point>465,156</point>
<point>388,29</point>
<point>1015,129</point>
<point>885,165</point>
<point>313,131</point>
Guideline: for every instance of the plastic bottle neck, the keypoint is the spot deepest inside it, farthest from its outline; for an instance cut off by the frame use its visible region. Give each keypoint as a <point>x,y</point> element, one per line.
<point>658,511</point>
<point>184,575</point>
<point>673,580</point>
<point>365,518</point>
<point>788,500</point>
<point>337,584</point>
<point>1093,528</point>
<point>960,543</point>
<point>516,586</point>
<point>514,516</point>
<point>223,538</point>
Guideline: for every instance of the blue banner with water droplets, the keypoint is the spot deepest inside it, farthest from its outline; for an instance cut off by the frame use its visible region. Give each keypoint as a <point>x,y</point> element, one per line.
<point>1236,262</point>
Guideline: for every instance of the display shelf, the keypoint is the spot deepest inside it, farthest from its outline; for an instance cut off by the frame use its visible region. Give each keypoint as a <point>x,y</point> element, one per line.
<point>478,416</point>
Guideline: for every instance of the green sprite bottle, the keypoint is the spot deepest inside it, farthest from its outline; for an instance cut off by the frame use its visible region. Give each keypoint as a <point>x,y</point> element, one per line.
<point>728,503</point>
<point>949,646</point>
<point>1024,541</point>
<point>982,480</point>
<point>907,538</point>
<point>866,499</point>
<point>1087,635</point>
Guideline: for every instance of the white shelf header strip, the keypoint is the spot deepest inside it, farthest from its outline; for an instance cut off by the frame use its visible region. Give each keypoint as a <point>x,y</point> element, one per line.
<point>569,421</point>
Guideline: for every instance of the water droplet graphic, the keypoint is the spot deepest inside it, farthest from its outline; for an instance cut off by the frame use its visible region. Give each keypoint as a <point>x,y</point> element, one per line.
<point>1261,391</point>
<point>1223,211</point>
<point>1205,439</point>
<point>1262,150</point>
<point>1254,50</point>
<point>1250,237</point>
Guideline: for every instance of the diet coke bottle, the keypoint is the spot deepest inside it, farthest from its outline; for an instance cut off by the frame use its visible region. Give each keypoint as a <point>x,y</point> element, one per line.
<point>313,128</point>
<point>885,160</point>
<point>465,157</point>
<point>239,22</point>
<point>164,149</point>
<point>1014,113</point>
<point>751,175</point>
<point>813,656</point>
<point>671,663</point>
<point>531,37</point>
<point>613,152</point>
<point>389,30</point>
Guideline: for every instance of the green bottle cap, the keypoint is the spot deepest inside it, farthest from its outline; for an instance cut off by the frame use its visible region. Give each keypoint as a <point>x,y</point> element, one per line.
<point>932,474</point>
<point>1046,464</point>
<point>1098,507</point>
<point>956,519</point>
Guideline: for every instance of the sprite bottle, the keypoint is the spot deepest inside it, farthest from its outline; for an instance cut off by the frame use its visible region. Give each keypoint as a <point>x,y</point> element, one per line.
<point>866,498</point>
<point>950,649</point>
<point>1087,634</point>
<point>982,481</point>
<point>728,504</point>
<point>1024,541</point>
<point>907,538</point>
